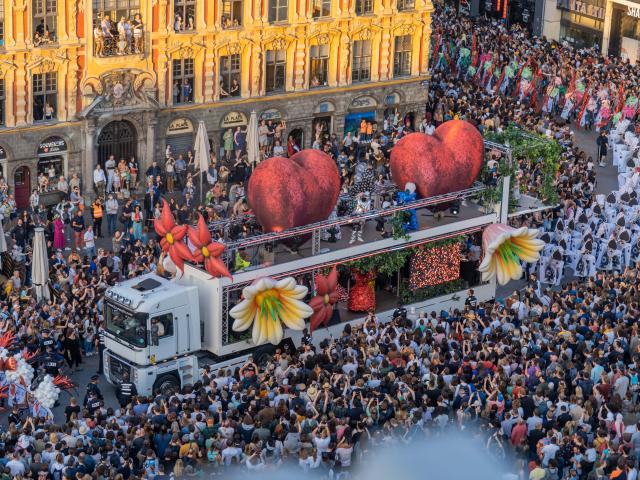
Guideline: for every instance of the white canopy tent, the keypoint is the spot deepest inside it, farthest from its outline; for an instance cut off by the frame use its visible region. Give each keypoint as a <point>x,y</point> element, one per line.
<point>253,148</point>
<point>202,149</point>
<point>40,266</point>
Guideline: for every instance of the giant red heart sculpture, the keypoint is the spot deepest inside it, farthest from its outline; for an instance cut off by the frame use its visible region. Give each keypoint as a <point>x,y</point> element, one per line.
<point>291,192</point>
<point>447,161</point>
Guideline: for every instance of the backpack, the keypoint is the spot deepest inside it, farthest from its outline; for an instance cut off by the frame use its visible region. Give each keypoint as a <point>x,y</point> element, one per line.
<point>57,474</point>
<point>114,460</point>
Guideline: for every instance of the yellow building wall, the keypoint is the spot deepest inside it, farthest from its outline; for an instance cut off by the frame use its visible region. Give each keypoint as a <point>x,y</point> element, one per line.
<point>79,70</point>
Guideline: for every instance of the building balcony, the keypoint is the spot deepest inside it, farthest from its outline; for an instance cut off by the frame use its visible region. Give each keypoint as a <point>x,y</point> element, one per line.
<point>115,45</point>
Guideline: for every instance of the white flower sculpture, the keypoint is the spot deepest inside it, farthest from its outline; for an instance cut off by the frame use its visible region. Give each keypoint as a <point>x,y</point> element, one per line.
<point>267,304</point>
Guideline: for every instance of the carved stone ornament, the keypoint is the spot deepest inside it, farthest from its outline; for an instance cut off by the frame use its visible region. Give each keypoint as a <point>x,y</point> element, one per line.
<point>323,39</point>
<point>46,65</point>
<point>123,88</point>
<point>184,52</point>
<point>364,34</point>
<point>406,29</point>
<point>233,48</point>
<point>278,43</point>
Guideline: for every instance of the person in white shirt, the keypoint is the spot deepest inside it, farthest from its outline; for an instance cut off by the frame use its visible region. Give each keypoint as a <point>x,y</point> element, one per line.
<point>111,206</point>
<point>231,452</point>
<point>99,180</point>
<point>549,451</point>
<point>343,454</point>
<point>15,466</point>
<point>89,242</point>
<point>34,200</point>
<point>110,166</point>
<point>322,438</point>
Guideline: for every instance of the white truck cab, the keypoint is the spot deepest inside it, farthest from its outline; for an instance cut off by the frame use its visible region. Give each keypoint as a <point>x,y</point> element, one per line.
<point>151,322</point>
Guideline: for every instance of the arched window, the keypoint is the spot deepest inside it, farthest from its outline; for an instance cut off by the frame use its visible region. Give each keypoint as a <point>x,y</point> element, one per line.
<point>231,13</point>
<point>44,21</point>
<point>361,61</point>
<point>230,76</point>
<point>402,56</point>
<point>2,101</point>
<point>45,96</point>
<point>183,80</point>
<point>319,67</point>
<point>278,10</point>
<point>184,15</point>
<point>276,67</point>
<point>2,24</point>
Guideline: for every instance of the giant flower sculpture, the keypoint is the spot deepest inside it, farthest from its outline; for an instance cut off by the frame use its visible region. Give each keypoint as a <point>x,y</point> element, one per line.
<point>327,296</point>
<point>172,236</point>
<point>504,247</point>
<point>267,304</point>
<point>207,251</point>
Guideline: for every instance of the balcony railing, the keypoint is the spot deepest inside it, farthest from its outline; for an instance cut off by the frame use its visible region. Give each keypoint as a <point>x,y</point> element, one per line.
<point>114,45</point>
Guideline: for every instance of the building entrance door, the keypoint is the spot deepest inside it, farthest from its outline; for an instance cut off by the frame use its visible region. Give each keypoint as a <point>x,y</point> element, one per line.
<point>22,186</point>
<point>119,139</point>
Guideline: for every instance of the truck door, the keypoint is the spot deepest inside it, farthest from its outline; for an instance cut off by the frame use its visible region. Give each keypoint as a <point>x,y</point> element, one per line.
<point>183,329</point>
<point>163,335</point>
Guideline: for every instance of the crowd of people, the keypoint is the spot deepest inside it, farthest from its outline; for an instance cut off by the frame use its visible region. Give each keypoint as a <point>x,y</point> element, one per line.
<point>118,37</point>
<point>548,376</point>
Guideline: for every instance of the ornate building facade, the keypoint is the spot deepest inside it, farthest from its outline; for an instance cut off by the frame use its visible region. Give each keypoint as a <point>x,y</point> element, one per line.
<point>82,79</point>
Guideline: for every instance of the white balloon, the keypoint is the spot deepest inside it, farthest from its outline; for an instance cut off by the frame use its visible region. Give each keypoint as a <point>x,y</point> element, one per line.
<point>168,265</point>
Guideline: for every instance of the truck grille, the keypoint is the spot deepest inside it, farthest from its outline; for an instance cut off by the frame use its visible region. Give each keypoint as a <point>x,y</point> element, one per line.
<point>117,369</point>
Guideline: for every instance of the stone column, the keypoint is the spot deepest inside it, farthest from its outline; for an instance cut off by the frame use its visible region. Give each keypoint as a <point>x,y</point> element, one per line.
<point>21,89</point>
<point>606,30</point>
<point>10,118</point>
<point>299,61</point>
<point>150,155</point>
<point>72,87</point>
<point>90,132</point>
<point>209,71</point>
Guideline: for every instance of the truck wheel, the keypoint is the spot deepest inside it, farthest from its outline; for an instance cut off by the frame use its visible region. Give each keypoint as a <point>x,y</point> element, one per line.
<point>166,385</point>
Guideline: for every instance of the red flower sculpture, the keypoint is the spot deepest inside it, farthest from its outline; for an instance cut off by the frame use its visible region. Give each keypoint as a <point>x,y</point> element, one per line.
<point>10,363</point>
<point>327,297</point>
<point>63,383</point>
<point>207,251</point>
<point>7,339</point>
<point>29,356</point>
<point>172,237</point>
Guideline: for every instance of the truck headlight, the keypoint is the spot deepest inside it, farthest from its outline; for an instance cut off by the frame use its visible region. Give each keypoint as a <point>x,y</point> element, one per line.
<point>135,374</point>
<point>107,363</point>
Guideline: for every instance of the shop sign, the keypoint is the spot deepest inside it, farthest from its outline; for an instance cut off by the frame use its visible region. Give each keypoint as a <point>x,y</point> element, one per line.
<point>52,145</point>
<point>392,99</point>
<point>234,119</point>
<point>271,114</point>
<point>583,8</point>
<point>180,126</point>
<point>525,15</point>
<point>633,11</point>
<point>325,107</point>
<point>364,102</point>
<point>3,153</point>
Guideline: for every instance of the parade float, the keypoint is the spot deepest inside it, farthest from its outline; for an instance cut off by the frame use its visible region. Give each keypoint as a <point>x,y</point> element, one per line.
<point>19,385</point>
<point>233,297</point>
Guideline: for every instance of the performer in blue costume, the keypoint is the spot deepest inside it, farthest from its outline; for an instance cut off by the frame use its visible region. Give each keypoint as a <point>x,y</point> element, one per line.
<point>408,196</point>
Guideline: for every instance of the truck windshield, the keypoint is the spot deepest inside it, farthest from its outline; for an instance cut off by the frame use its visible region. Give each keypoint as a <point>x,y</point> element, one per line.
<point>125,326</point>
